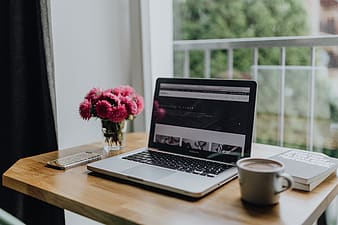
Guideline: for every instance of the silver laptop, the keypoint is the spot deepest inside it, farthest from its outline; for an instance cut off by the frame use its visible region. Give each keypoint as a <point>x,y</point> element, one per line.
<point>199,129</point>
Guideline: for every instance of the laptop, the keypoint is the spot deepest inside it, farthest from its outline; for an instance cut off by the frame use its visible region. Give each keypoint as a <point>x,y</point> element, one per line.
<point>199,128</point>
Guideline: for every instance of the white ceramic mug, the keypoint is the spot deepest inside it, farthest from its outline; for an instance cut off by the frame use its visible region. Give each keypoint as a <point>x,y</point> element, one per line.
<point>262,180</point>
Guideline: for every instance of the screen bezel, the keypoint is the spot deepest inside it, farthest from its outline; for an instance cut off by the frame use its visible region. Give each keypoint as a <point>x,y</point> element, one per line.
<point>213,82</point>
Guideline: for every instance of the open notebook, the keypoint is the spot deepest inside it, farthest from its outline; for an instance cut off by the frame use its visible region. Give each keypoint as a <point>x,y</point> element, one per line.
<point>199,129</point>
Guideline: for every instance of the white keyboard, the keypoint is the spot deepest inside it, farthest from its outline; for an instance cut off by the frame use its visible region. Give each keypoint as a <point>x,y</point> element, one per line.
<point>74,160</point>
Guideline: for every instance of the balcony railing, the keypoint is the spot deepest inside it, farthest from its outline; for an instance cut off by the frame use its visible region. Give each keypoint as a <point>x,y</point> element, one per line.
<point>254,44</point>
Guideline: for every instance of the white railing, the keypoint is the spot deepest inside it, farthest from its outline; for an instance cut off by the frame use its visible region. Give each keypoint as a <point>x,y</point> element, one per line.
<point>255,44</point>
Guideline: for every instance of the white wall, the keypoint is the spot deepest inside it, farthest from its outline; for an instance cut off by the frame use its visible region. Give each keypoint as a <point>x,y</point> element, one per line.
<point>97,44</point>
<point>91,49</point>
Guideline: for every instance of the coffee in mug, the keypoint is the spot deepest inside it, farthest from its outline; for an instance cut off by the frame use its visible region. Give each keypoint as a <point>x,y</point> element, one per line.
<point>262,180</point>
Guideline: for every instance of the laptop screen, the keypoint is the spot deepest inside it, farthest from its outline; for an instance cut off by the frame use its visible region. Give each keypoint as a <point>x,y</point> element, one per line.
<point>204,118</point>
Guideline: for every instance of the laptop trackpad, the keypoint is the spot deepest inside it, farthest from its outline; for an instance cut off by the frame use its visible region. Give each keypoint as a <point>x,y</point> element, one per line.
<point>148,172</point>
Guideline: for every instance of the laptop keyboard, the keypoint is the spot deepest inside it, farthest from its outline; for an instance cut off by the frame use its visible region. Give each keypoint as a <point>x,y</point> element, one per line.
<point>185,164</point>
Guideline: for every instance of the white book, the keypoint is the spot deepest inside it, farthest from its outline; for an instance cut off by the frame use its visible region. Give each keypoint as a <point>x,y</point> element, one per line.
<point>308,169</point>
<point>311,186</point>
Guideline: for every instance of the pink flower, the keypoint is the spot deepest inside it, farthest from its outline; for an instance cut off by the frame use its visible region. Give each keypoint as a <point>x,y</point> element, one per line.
<point>118,114</point>
<point>110,97</point>
<point>124,90</point>
<point>103,109</point>
<point>94,94</point>
<point>130,104</point>
<point>132,108</point>
<point>140,104</point>
<point>115,104</point>
<point>107,93</point>
<point>84,109</point>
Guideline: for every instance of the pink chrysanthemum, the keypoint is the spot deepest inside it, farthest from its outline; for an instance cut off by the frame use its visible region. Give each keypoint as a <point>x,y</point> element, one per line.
<point>117,91</point>
<point>84,109</point>
<point>118,114</point>
<point>132,108</point>
<point>103,109</point>
<point>108,94</point>
<point>140,104</point>
<point>117,104</point>
<point>130,104</point>
<point>124,90</point>
<point>116,100</point>
<point>94,94</point>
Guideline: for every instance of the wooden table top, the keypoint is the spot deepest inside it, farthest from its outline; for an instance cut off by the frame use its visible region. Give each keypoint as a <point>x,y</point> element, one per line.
<point>112,201</point>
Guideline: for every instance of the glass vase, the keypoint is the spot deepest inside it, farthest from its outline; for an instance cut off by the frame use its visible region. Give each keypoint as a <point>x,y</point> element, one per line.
<point>114,135</point>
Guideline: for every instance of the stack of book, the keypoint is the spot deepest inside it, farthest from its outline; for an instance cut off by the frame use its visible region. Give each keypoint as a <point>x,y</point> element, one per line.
<point>308,169</point>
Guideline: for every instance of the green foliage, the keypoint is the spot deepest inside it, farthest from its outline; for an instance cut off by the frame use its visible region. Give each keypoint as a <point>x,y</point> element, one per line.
<point>334,111</point>
<point>216,19</point>
<point>212,19</point>
<point>205,19</point>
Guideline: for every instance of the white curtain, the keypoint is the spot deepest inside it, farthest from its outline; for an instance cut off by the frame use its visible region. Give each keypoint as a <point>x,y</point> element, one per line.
<point>138,79</point>
<point>48,45</point>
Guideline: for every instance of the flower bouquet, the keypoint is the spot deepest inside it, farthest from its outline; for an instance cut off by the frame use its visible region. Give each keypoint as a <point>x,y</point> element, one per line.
<point>113,106</point>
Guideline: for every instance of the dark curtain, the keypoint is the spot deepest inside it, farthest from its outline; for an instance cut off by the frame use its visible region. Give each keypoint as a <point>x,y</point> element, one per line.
<point>27,119</point>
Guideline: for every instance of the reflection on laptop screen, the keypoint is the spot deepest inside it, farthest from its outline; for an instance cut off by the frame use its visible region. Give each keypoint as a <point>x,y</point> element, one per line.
<point>203,120</point>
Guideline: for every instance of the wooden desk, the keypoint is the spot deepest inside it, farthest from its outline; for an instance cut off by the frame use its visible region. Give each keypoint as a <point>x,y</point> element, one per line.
<point>116,202</point>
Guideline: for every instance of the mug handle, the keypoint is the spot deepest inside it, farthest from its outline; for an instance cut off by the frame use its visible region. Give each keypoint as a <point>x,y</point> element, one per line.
<point>288,180</point>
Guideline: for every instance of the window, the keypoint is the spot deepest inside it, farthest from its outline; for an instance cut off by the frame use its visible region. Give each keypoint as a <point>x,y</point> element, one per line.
<point>285,45</point>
